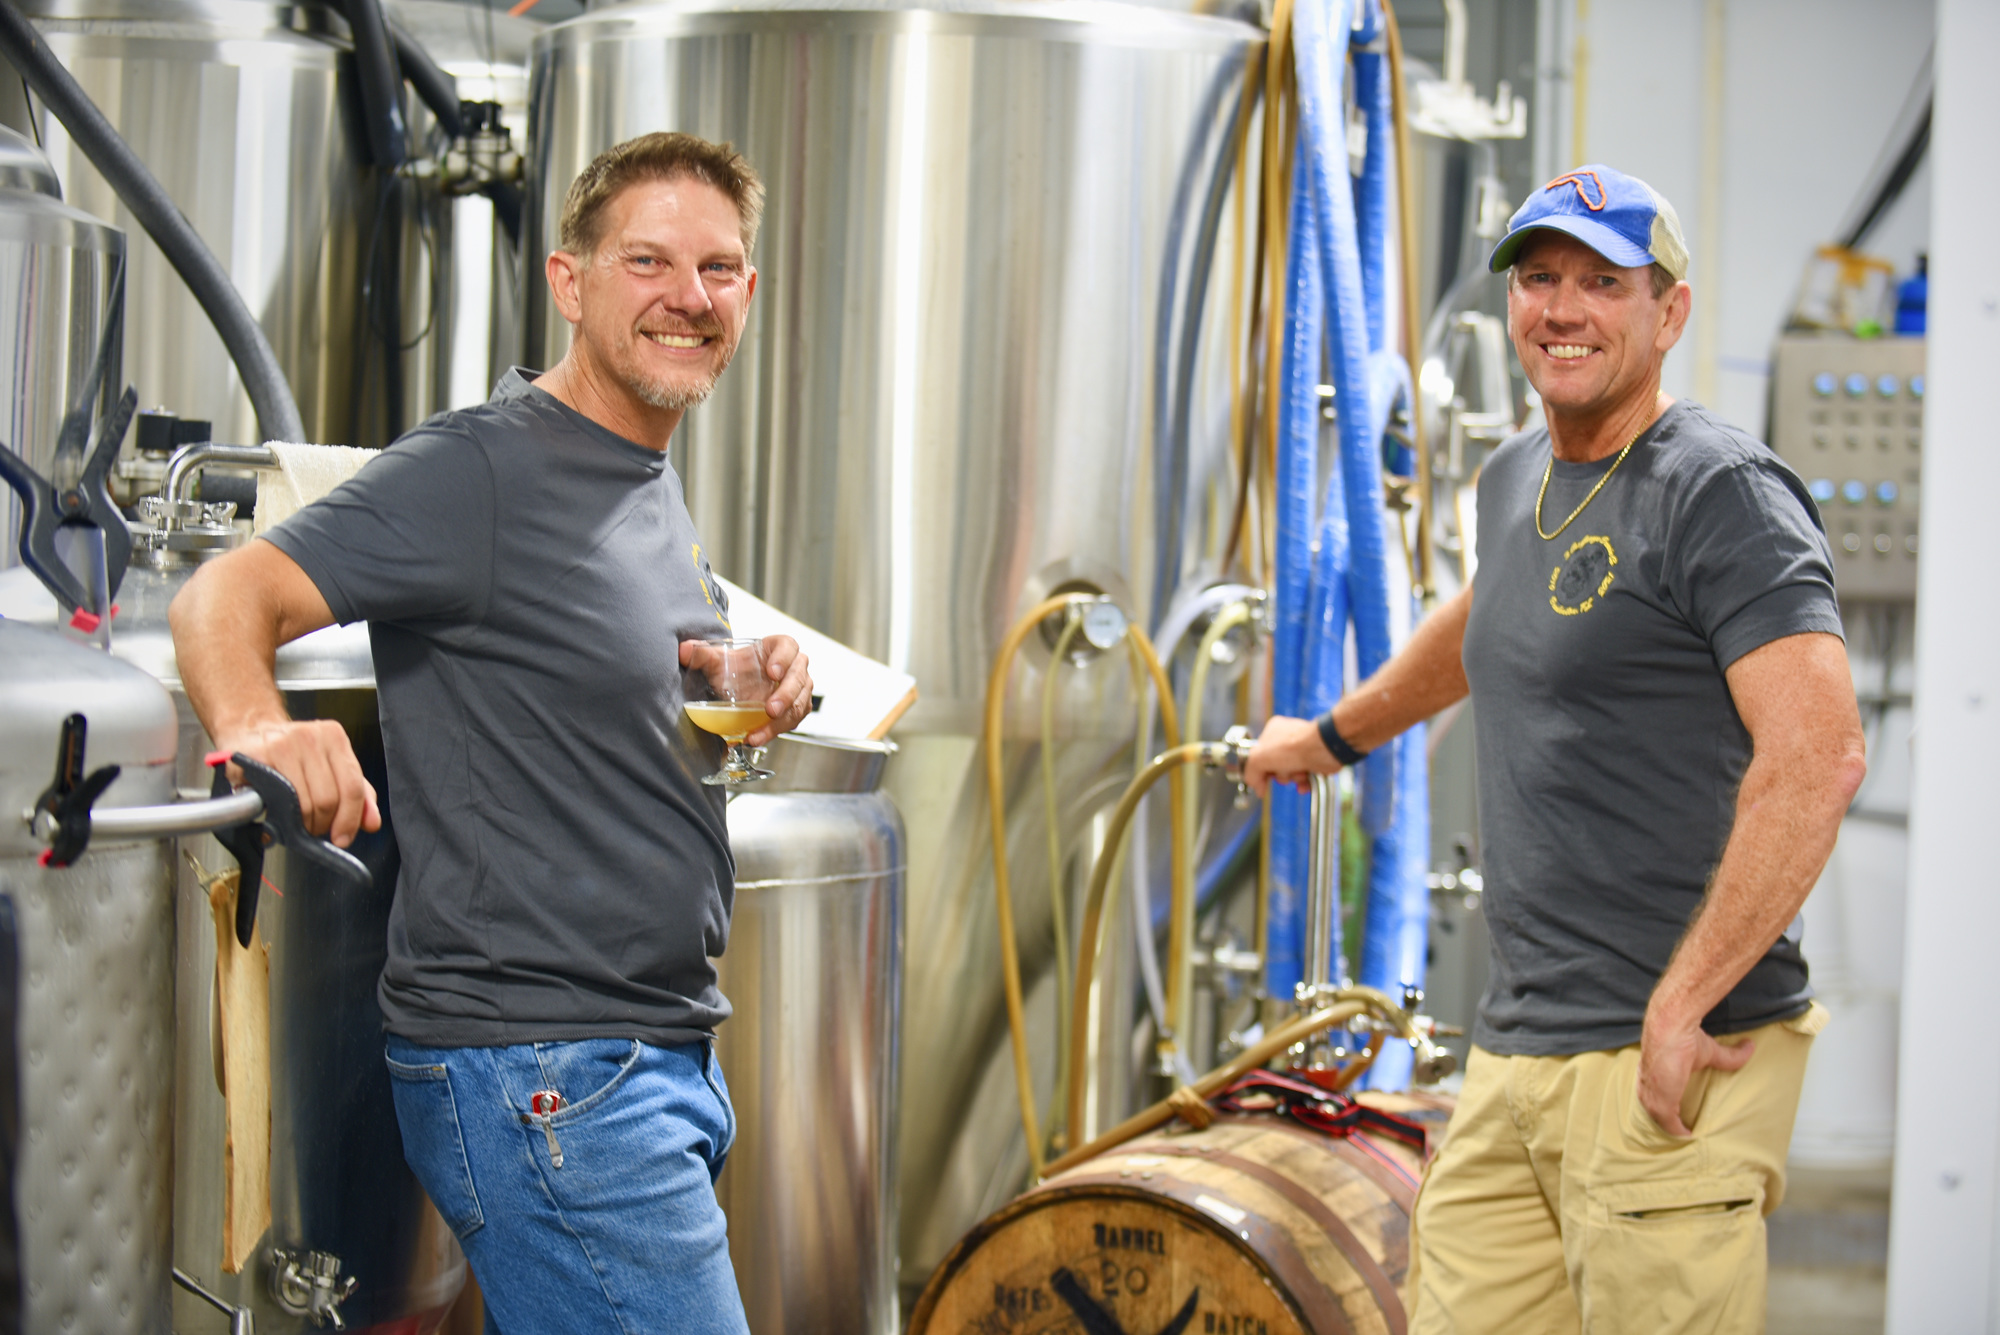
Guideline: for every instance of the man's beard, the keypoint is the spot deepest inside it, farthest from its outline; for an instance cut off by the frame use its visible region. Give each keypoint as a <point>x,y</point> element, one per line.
<point>678,395</point>
<point>674,397</point>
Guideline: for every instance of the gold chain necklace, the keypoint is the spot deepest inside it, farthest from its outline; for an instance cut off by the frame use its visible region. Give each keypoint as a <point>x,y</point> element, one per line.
<point>1550,468</point>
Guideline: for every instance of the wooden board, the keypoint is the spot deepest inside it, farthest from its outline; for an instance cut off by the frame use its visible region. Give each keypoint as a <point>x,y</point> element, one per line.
<point>243,994</point>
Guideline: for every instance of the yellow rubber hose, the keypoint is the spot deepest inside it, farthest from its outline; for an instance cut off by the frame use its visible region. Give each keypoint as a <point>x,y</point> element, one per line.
<point>1058,907</point>
<point>1345,1004</point>
<point>1168,762</point>
<point>996,805</point>
<point>1406,209</point>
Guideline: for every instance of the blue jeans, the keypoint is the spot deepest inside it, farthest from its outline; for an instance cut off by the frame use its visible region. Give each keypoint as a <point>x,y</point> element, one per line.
<point>598,1217</point>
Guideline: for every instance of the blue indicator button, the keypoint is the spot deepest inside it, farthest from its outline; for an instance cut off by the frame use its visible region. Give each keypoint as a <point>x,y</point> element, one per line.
<point>1887,492</point>
<point>1857,385</point>
<point>1822,489</point>
<point>1824,384</point>
<point>1887,385</point>
<point>1854,491</point>
<point>1916,387</point>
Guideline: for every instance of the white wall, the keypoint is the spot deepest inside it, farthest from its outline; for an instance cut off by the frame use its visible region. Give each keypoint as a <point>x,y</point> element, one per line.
<point>1806,93</point>
<point>1943,1261</point>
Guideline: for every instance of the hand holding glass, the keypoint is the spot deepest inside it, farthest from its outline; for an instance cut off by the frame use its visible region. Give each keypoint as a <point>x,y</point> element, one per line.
<point>727,684</point>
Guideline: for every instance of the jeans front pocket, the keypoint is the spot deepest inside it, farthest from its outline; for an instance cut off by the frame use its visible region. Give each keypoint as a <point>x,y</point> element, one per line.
<point>434,1143</point>
<point>711,1067</point>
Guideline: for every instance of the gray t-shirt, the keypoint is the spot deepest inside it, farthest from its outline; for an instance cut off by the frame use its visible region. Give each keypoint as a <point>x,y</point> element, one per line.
<point>527,576</point>
<point>1609,748</point>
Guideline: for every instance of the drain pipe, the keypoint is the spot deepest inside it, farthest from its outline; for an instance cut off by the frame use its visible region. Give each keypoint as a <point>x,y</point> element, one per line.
<point>140,191</point>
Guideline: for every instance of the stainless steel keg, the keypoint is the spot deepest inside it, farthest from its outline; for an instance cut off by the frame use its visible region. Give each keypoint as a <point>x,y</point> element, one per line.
<point>94,1180</point>
<point>814,974</point>
<point>56,268</point>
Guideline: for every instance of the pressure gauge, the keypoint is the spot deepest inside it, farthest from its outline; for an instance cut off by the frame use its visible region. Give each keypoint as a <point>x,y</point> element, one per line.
<point>1103,624</point>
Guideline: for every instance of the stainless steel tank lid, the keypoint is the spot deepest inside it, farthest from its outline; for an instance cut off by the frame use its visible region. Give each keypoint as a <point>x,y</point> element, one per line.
<point>808,764</point>
<point>1075,20</point>
<point>130,719</point>
<point>337,658</point>
<point>25,167</point>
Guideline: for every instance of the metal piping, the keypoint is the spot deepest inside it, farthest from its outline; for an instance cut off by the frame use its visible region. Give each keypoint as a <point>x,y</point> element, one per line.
<point>1434,1063</point>
<point>1168,764</point>
<point>189,460</point>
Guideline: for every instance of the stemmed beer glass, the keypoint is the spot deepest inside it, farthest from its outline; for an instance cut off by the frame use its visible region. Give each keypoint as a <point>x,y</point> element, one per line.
<point>727,684</point>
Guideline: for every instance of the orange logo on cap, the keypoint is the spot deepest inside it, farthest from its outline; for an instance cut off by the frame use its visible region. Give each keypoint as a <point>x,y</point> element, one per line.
<point>1576,179</point>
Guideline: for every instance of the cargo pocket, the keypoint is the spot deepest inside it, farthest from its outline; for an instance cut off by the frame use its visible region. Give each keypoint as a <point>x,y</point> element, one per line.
<point>1679,1254</point>
<point>434,1144</point>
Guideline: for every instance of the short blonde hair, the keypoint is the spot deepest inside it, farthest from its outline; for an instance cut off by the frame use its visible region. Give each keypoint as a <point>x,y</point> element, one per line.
<point>661,156</point>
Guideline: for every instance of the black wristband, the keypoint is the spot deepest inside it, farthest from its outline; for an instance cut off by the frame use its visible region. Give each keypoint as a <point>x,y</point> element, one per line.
<point>1342,749</point>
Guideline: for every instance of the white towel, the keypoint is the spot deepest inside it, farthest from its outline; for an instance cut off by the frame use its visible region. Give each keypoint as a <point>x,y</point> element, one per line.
<point>305,473</point>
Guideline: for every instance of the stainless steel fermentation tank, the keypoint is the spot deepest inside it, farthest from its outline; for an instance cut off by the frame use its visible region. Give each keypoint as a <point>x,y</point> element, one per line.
<point>245,112</point>
<point>56,268</point>
<point>987,360</point>
<point>479,334</point>
<point>339,1184</point>
<point>93,1183</point>
<point>814,972</point>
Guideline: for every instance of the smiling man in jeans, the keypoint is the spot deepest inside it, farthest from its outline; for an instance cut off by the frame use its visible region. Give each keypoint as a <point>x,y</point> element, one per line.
<point>534,587</point>
<point>1667,741</point>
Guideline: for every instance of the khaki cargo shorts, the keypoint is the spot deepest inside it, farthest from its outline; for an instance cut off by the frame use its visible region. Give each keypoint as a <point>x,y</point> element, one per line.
<point>1557,1204</point>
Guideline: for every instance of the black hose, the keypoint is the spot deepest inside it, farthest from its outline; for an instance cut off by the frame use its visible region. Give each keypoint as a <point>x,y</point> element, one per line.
<point>1894,181</point>
<point>140,191</point>
<point>506,207</point>
<point>381,84</point>
<point>437,88</point>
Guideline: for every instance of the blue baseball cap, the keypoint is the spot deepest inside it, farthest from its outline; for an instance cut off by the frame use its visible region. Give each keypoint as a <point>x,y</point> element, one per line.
<point>1618,216</point>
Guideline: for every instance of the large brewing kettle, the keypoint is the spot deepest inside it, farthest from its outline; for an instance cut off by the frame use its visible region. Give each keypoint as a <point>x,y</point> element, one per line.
<point>813,973</point>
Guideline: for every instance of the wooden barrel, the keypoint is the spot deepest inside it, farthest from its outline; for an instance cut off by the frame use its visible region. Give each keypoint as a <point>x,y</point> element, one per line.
<point>1253,1226</point>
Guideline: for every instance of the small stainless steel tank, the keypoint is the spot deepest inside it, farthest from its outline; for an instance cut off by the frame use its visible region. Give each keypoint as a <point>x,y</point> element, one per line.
<point>339,1184</point>
<point>814,971</point>
<point>94,1181</point>
<point>56,267</point>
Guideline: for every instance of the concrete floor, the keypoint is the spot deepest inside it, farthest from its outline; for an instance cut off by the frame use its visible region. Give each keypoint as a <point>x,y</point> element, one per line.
<point>1829,1250</point>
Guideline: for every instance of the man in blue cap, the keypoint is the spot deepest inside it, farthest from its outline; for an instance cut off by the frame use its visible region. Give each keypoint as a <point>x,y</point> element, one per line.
<point>1667,741</point>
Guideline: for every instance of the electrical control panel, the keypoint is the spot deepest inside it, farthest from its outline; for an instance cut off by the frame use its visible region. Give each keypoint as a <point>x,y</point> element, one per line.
<point>1848,415</point>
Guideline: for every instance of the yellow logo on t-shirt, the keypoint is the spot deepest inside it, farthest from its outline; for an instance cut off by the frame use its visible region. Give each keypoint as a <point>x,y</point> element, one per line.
<point>1584,576</point>
<point>708,590</point>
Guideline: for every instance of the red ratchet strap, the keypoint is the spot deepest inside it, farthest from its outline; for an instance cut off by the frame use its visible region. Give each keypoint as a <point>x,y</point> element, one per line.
<point>1309,1105</point>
